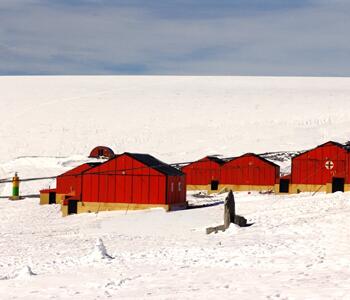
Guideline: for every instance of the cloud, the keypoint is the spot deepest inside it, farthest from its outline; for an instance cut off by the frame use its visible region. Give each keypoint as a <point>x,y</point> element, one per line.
<point>175,37</point>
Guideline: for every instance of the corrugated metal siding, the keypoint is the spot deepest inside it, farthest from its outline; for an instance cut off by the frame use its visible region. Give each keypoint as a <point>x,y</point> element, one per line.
<point>126,180</point>
<point>310,167</point>
<point>202,172</point>
<point>70,182</point>
<point>249,170</point>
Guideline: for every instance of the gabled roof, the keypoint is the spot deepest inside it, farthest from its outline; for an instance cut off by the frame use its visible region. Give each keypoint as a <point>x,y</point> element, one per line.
<point>155,163</point>
<point>258,157</point>
<point>215,159</point>
<point>81,168</point>
<point>342,146</point>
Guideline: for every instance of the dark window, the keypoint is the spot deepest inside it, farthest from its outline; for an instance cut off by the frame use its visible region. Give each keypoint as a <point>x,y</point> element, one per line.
<point>214,185</point>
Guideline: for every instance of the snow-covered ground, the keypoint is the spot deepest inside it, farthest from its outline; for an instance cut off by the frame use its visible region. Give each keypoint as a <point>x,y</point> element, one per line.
<point>296,248</point>
<point>176,118</point>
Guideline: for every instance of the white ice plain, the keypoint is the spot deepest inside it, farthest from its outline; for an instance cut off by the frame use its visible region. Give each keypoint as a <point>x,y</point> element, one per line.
<point>296,248</point>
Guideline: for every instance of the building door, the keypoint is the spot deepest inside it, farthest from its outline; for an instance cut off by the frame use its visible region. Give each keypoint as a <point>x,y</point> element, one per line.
<point>72,207</point>
<point>284,186</point>
<point>338,184</point>
<point>52,198</point>
<point>214,186</point>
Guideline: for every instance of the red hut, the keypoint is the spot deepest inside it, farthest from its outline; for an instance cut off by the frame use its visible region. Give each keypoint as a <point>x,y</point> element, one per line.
<point>129,181</point>
<point>249,172</point>
<point>67,184</point>
<point>102,152</point>
<point>324,168</point>
<point>203,174</point>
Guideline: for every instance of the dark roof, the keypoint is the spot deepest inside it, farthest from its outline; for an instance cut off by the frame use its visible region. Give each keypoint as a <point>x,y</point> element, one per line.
<point>156,164</point>
<point>215,159</point>
<point>93,164</point>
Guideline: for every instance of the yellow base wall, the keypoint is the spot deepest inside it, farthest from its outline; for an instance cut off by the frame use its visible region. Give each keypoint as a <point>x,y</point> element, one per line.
<point>60,198</point>
<point>312,188</point>
<point>247,188</point>
<point>88,207</point>
<point>199,187</point>
<point>44,198</point>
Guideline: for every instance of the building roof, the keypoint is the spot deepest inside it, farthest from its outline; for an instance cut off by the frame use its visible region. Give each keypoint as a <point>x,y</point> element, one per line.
<point>155,163</point>
<point>81,168</point>
<point>258,157</point>
<point>215,159</point>
<point>345,147</point>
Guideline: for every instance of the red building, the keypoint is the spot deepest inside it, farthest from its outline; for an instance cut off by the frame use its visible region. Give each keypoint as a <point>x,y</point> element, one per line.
<point>203,174</point>
<point>70,182</point>
<point>324,168</point>
<point>102,151</point>
<point>249,172</point>
<point>129,181</point>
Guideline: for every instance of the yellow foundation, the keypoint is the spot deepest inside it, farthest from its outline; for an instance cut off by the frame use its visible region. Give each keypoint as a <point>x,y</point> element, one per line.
<point>60,198</point>
<point>44,198</point>
<point>88,207</point>
<point>247,188</point>
<point>308,188</point>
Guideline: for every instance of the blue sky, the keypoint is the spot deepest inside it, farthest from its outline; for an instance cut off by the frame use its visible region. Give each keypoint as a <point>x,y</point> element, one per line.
<point>179,37</point>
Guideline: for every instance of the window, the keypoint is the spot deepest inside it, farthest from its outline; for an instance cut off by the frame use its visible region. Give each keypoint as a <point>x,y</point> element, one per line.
<point>179,186</point>
<point>172,187</point>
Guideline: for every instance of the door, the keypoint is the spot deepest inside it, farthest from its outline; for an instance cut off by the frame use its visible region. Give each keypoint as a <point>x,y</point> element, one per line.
<point>72,207</point>
<point>338,184</point>
<point>214,186</point>
<point>52,198</point>
<point>284,186</point>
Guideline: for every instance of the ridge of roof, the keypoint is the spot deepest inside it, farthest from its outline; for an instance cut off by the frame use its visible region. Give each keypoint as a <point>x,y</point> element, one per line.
<point>155,163</point>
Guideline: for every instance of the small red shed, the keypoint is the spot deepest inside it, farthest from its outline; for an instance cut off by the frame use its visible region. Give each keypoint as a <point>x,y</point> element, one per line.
<point>203,174</point>
<point>102,152</point>
<point>324,168</point>
<point>130,181</point>
<point>249,172</point>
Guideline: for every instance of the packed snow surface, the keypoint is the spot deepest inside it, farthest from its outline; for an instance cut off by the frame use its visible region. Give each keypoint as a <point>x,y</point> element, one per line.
<point>297,247</point>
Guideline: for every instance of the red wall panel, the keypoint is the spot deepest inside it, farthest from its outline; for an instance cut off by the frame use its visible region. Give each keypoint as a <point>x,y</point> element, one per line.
<point>249,170</point>
<point>70,182</point>
<point>310,167</point>
<point>202,172</point>
<point>126,180</point>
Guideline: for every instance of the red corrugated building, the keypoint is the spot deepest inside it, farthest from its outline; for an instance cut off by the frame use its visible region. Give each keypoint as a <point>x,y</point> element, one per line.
<point>324,168</point>
<point>249,172</point>
<point>70,182</point>
<point>67,184</point>
<point>102,152</point>
<point>203,174</point>
<point>129,181</point>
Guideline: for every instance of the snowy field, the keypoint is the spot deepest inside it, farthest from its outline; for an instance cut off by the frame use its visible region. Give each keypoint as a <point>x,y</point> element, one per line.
<point>172,117</point>
<point>298,247</point>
